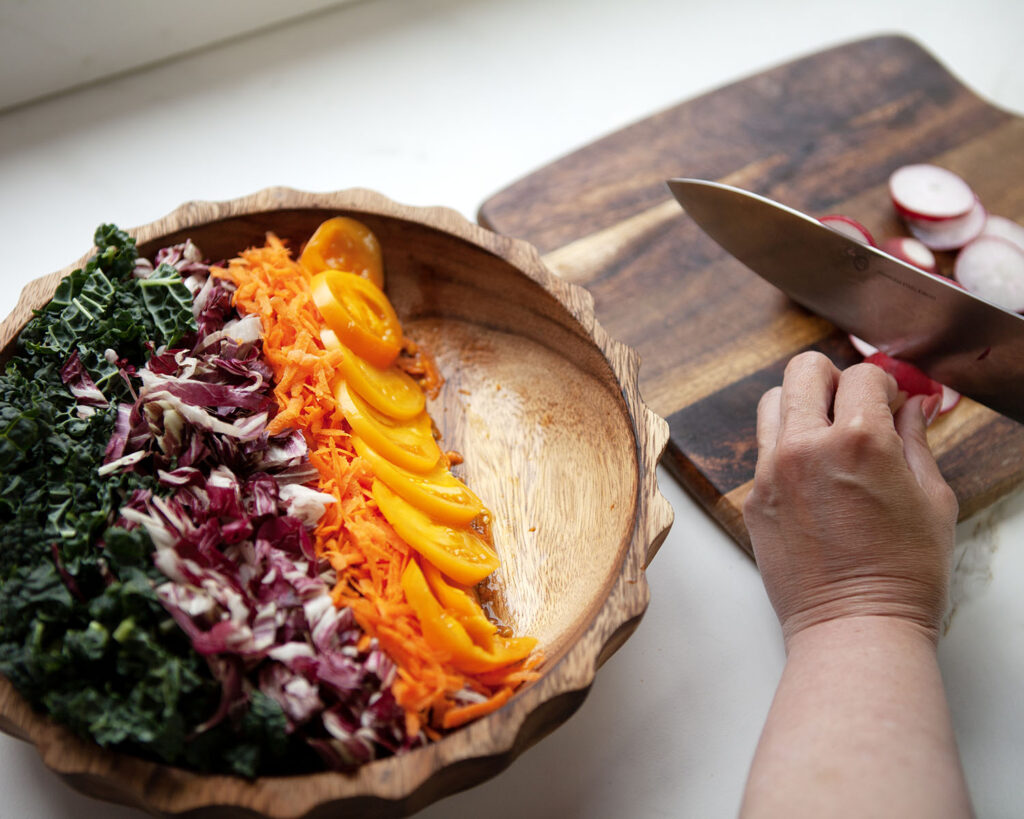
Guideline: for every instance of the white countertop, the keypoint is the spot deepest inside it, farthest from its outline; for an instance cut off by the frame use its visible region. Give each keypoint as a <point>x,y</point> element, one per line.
<point>445,102</point>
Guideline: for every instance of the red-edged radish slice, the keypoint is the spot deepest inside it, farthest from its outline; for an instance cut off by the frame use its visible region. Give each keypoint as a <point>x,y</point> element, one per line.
<point>908,377</point>
<point>861,346</point>
<point>1004,228</point>
<point>950,398</point>
<point>951,234</point>
<point>993,268</point>
<point>911,251</point>
<point>848,227</point>
<point>930,193</point>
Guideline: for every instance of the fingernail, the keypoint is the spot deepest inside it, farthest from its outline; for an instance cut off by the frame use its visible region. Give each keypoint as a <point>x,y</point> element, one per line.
<point>930,408</point>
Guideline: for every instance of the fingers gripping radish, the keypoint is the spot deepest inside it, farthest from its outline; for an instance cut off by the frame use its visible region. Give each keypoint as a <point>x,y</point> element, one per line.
<point>908,377</point>
<point>911,376</point>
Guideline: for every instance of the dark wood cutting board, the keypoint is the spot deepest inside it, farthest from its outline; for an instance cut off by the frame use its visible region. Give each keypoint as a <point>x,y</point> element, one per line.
<point>821,134</point>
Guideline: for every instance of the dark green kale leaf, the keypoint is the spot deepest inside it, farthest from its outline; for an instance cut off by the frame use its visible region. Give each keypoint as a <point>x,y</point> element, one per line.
<point>169,303</point>
<point>20,428</point>
<point>82,633</point>
<point>106,307</point>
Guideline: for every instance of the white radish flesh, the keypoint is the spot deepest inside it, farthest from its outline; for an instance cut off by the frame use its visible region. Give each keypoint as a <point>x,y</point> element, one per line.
<point>1005,228</point>
<point>993,268</point>
<point>862,347</point>
<point>911,251</point>
<point>951,234</point>
<point>848,227</point>
<point>930,193</point>
<point>950,398</point>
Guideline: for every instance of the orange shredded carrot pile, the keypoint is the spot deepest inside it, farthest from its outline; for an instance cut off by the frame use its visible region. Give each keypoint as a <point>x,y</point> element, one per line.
<point>353,535</point>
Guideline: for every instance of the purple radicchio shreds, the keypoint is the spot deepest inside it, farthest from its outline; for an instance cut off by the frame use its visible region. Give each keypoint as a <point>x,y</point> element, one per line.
<point>231,528</point>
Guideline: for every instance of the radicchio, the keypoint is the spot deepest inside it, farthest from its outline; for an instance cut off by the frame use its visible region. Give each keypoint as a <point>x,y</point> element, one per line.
<point>231,527</point>
<point>78,380</point>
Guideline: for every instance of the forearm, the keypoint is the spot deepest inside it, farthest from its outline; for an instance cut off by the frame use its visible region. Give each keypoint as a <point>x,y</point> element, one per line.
<point>859,727</point>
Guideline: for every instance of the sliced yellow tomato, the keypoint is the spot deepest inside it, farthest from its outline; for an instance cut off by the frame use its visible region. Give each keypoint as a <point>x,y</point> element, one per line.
<point>361,315</point>
<point>460,553</point>
<point>438,492</point>
<point>461,605</point>
<point>409,444</point>
<point>344,244</point>
<point>446,635</point>
<point>391,391</point>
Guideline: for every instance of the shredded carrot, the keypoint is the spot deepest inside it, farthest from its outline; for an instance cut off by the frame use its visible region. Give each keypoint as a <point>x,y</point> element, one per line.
<point>353,536</point>
<point>455,717</point>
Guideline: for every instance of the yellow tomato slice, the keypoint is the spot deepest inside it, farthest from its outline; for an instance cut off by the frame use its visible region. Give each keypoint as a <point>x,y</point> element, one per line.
<point>461,605</point>
<point>460,553</point>
<point>409,444</point>
<point>391,391</point>
<point>438,493</point>
<point>361,315</point>
<point>344,244</point>
<point>445,634</point>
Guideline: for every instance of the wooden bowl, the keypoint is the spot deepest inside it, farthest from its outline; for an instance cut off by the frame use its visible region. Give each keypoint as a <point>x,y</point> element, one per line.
<point>546,410</point>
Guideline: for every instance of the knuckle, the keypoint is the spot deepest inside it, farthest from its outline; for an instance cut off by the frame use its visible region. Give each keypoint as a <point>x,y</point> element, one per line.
<point>809,359</point>
<point>866,373</point>
<point>864,369</point>
<point>761,504</point>
<point>795,453</point>
<point>861,440</point>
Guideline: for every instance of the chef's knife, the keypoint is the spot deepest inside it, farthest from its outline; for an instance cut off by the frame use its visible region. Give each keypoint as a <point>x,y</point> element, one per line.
<point>958,339</point>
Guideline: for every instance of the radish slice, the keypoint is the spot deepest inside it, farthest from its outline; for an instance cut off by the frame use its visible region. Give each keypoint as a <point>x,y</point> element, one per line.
<point>1004,228</point>
<point>951,234</point>
<point>950,398</point>
<point>993,268</point>
<point>911,251</point>
<point>930,193</point>
<point>862,347</point>
<point>908,377</point>
<point>848,227</point>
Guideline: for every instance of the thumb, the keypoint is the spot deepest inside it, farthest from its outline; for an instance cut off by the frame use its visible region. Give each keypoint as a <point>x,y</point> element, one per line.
<point>911,423</point>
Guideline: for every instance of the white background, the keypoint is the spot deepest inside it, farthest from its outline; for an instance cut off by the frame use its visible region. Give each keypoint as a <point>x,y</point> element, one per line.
<point>445,102</point>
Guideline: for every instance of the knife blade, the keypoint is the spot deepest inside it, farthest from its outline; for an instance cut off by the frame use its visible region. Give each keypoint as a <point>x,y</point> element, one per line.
<point>960,340</point>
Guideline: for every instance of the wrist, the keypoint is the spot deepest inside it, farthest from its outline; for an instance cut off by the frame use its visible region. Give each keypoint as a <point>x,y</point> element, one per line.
<point>919,602</point>
<point>850,632</point>
<point>859,727</point>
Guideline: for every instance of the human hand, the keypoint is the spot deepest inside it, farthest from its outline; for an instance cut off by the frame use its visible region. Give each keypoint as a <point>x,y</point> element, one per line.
<point>849,515</point>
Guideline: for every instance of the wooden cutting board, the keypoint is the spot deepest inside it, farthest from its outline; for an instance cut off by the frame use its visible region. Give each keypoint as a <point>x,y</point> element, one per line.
<point>821,134</point>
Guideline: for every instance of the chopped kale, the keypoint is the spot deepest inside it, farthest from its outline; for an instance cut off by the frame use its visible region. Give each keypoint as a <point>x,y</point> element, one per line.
<point>77,593</point>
